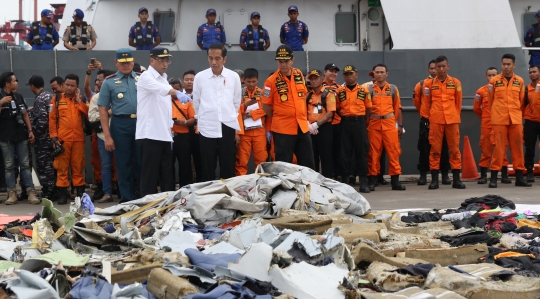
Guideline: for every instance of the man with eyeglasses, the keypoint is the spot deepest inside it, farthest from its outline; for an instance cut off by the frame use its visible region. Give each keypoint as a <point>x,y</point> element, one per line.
<point>154,123</point>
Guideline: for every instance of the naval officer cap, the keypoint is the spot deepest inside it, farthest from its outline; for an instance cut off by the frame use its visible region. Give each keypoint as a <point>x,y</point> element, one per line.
<point>160,52</point>
<point>124,55</point>
<point>79,14</point>
<point>284,52</point>
<point>349,69</point>
<point>314,73</point>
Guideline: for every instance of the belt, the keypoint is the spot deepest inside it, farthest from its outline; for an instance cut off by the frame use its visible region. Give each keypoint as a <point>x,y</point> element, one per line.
<point>352,118</point>
<point>126,115</point>
<point>382,116</point>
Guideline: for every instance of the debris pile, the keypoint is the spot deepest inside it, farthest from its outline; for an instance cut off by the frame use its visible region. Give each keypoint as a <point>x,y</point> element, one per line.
<point>284,232</point>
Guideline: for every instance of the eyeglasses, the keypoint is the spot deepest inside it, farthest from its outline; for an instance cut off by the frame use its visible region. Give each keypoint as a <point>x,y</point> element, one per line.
<point>168,61</point>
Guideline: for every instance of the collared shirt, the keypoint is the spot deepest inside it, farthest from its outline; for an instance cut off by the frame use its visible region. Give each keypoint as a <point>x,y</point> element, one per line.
<point>43,33</point>
<point>444,99</point>
<point>187,110</point>
<point>315,107</point>
<point>334,87</point>
<point>256,114</point>
<point>90,35</point>
<point>119,92</point>
<point>39,116</point>
<point>384,103</point>
<point>506,99</point>
<point>294,34</point>
<point>209,35</point>
<point>216,100</point>
<point>70,117</point>
<point>354,102</point>
<point>154,107</point>
<point>133,34</point>
<point>481,106</point>
<point>245,39</point>
<point>419,100</point>
<point>532,110</point>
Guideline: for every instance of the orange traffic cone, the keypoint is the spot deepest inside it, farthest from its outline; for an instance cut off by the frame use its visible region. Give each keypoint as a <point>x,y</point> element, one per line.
<point>469,170</point>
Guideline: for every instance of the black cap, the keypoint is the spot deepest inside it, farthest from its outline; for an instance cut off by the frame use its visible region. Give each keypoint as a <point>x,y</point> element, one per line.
<point>331,66</point>
<point>349,69</point>
<point>284,52</point>
<point>160,52</point>
<point>36,81</point>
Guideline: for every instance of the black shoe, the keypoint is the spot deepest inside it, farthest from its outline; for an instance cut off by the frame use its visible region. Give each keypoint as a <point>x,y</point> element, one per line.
<point>504,176</point>
<point>445,179</point>
<point>493,179</point>
<point>372,182</point>
<point>80,191</point>
<point>62,195</point>
<point>457,183</point>
<point>396,184</point>
<point>530,174</point>
<point>434,180</point>
<point>364,188</point>
<point>483,176</point>
<point>520,181</point>
<point>381,180</point>
<point>98,194</point>
<point>422,180</point>
<point>352,180</point>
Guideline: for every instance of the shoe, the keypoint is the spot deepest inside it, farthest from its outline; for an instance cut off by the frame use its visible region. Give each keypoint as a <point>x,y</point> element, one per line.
<point>493,179</point>
<point>381,180</point>
<point>504,176</point>
<point>105,198</point>
<point>372,182</point>
<point>32,197</point>
<point>12,197</point>
<point>80,190</point>
<point>445,179</point>
<point>422,180</point>
<point>520,181</point>
<point>352,180</point>
<point>364,188</point>
<point>530,175</point>
<point>434,180</point>
<point>457,183</point>
<point>483,175</point>
<point>396,184</point>
<point>98,192</point>
<point>62,195</point>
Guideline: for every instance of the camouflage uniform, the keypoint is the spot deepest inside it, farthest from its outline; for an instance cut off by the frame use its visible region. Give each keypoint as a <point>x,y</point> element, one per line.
<point>39,116</point>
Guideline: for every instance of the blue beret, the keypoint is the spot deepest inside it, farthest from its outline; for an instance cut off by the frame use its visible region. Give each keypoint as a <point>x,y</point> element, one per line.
<point>78,14</point>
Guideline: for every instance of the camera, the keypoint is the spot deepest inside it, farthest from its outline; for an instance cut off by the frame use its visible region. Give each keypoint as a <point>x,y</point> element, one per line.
<point>17,112</point>
<point>58,150</point>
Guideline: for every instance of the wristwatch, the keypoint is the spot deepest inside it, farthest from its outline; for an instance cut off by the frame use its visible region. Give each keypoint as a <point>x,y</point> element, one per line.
<point>88,73</point>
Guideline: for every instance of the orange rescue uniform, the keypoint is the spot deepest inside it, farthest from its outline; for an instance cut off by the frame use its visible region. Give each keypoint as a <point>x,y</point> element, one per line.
<point>69,129</point>
<point>481,108</point>
<point>444,100</point>
<point>419,99</point>
<point>382,131</point>
<point>251,139</point>
<point>505,99</point>
<point>188,111</point>
<point>532,110</point>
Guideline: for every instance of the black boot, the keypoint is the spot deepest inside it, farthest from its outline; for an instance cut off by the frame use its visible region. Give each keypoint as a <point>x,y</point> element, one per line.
<point>434,180</point>
<point>381,180</point>
<point>457,183</point>
<point>80,191</point>
<point>520,181</point>
<point>422,180</point>
<point>493,179</point>
<point>396,184</point>
<point>504,176</point>
<point>98,194</point>
<point>364,188</point>
<point>530,174</point>
<point>372,182</point>
<point>445,179</point>
<point>62,195</point>
<point>483,176</point>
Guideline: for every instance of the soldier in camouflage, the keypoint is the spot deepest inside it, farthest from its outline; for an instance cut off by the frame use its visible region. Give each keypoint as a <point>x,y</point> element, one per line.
<point>39,117</point>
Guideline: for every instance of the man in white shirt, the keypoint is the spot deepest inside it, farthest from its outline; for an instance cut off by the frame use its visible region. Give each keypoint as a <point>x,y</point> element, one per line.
<point>154,123</point>
<point>217,93</point>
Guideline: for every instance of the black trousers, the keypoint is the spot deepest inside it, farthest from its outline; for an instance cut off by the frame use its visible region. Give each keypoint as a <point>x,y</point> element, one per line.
<point>323,153</point>
<point>531,133</point>
<point>223,148</point>
<point>336,149</point>
<point>300,145</point>
<point>182,154</point>
<point>156,159</point>
<point>196,154</point>
<point>354,138</point>
<point>424,148</point>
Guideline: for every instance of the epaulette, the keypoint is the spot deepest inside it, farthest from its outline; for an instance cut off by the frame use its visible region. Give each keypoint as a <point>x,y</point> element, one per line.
<point>113,75</point>
<point>138,73</point>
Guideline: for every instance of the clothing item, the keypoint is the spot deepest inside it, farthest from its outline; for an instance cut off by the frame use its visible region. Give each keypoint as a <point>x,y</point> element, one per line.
<point>445,98</point>
<point>119,93</point>
<point>210,261</point>
<point>470,238</point>
<point>181,152</point>
<point>66,118</point>
<point>322,151</point>
<point>72,157</point>
<point>155,171</point>
<point>222,148</point>
<point>511,135</point>
<point>450,132</point>
<point>299,145</point>
<point>9,150</point>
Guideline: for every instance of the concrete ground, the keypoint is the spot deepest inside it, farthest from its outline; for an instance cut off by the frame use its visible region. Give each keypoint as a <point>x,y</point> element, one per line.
<point>383,198</point>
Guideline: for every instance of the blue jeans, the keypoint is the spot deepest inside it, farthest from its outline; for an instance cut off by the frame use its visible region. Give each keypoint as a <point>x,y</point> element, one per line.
<point>8,152</point>
<point>106,166</point>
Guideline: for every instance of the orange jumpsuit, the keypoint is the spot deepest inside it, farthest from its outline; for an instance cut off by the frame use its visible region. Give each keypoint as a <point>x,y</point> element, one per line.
<point>444,100</point>
<point>68,129</point>
<point>419,93</point>
<point>251,139</point>
<point>382,131</point>
<point>506,101</point>
<point>481,108</point>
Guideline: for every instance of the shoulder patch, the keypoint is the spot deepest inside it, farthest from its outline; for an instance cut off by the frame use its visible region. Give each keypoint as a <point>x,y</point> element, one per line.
<point>477,97</point>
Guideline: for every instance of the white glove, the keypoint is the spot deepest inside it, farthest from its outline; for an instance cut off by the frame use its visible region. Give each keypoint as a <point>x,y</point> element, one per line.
<point>184,98</point>
<point>313,128</point>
